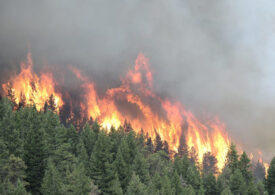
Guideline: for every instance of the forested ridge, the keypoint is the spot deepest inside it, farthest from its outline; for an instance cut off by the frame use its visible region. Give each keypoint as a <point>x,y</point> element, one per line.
<point>40,155</point>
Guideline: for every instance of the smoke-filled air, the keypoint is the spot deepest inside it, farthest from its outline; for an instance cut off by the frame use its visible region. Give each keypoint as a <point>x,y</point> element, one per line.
<point>196,76</point>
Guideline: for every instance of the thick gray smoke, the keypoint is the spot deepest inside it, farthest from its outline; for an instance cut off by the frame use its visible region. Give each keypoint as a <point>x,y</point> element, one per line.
<point>215,56</point>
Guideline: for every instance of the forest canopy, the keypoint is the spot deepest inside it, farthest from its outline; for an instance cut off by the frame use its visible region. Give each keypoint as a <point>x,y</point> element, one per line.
<point>41,155</point>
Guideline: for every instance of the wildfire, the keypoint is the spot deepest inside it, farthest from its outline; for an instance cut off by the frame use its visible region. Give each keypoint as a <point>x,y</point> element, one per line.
<point>134,101</point>
<point>28,88</point>
<point>260,158</point>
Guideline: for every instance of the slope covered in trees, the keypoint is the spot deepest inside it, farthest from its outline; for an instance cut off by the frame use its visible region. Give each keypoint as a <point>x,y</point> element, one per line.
<point>39,155</point>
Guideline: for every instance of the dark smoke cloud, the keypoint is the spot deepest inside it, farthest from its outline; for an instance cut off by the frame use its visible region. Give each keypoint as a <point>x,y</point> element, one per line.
<point>215,56</point>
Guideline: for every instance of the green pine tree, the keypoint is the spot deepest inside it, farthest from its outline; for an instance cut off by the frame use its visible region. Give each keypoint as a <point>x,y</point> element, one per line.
<point>52,182</point>
<point>89,137</point>
<point>102,170</point>
<point>166,186</point>
<point>82,154</point>
<point>34,157</point>
<point>10,132</point>
<point>177,183</point>
<point>77,182</point>
<point>237,182</point>
<point>12,176</point>
<point>136,187</point>
<point>232,158</point>
<point>114,187</point>
<point>189,190</point>
<point>15,189</point>
<point>123,170</point>
<point>226,191</point>
<point>270,180</point>
<point>193,177</point>
<point>245,168</point>
<point>141,168</point>
<point>210,184</point>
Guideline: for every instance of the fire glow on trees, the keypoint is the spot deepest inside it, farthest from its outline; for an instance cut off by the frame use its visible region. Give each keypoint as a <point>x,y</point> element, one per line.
<point>134,101</point>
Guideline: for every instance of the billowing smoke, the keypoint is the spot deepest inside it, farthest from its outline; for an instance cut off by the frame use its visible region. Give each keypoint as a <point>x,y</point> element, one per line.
<point>214,56</point>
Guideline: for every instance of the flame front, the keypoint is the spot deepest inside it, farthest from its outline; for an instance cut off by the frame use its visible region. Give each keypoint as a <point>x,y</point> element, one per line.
<point>154,114</point>
<point>134,101</point>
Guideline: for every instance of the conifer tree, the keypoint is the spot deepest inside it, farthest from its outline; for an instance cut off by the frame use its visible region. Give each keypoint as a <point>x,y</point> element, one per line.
<point>5,108</point>
<point>261,188</point>
<point>77,181</point>
<point>114,187</point>
<point>14,169</point>
<point>189,190</point>
<point>149,145</point>
<point>14,189</point>
<point>63,159</point>
<point>116,137</point>
<point>136,187</point>
<point>51,124</point>
<point>96,127</point>
<point>141,168</point>
<point>123,170</point>
<point>89,137</point>
<point>52,182</point>
<point>245,168</point>
<point>159,144</point>
<point>10,133</point>
<point>193,177</point>
<point>176,182</point>
<point>51,104</point>
<point>270,180</point>
<point>210,184</point>
<point>12,175</point>
<point>132,144</point>
<point>237,183</point>
<point>34,157</point>
<point>209,164</point>
<point>232,158</point>
<point>72,137</point>
<point>259,171</point>
<point>252,189</point>
<point>193,156</point>
<point>82,154</point>
<point>166,186</point>
<point>166,147</point>
<point>226,191</point>
<point>102,170</point>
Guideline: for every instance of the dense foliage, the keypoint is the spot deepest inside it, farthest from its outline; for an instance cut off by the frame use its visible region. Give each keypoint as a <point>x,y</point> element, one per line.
<point>39,155</point>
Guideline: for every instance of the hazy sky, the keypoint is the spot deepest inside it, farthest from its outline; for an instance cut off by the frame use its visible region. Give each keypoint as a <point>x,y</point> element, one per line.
<point>216,56</point>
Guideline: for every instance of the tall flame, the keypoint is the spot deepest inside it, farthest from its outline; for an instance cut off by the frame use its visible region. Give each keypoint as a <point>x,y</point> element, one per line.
<point>153,114</point>
<point>134,101</point>
<point>32,89</point>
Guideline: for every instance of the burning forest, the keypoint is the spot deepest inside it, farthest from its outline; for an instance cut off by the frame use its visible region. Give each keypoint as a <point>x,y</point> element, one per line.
<point>133,105</point>
<point>137,97</point>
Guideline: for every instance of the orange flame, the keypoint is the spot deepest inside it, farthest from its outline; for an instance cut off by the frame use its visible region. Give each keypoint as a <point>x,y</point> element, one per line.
<point>135,101</point>
<point>136,93</point>
<point>266,165</point>
<point>28,87</point>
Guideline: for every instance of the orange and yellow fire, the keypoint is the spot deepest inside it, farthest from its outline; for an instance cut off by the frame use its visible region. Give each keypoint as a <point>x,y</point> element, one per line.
<point>135,101</point>
<point>32,89</point>
<point>136,92</point>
